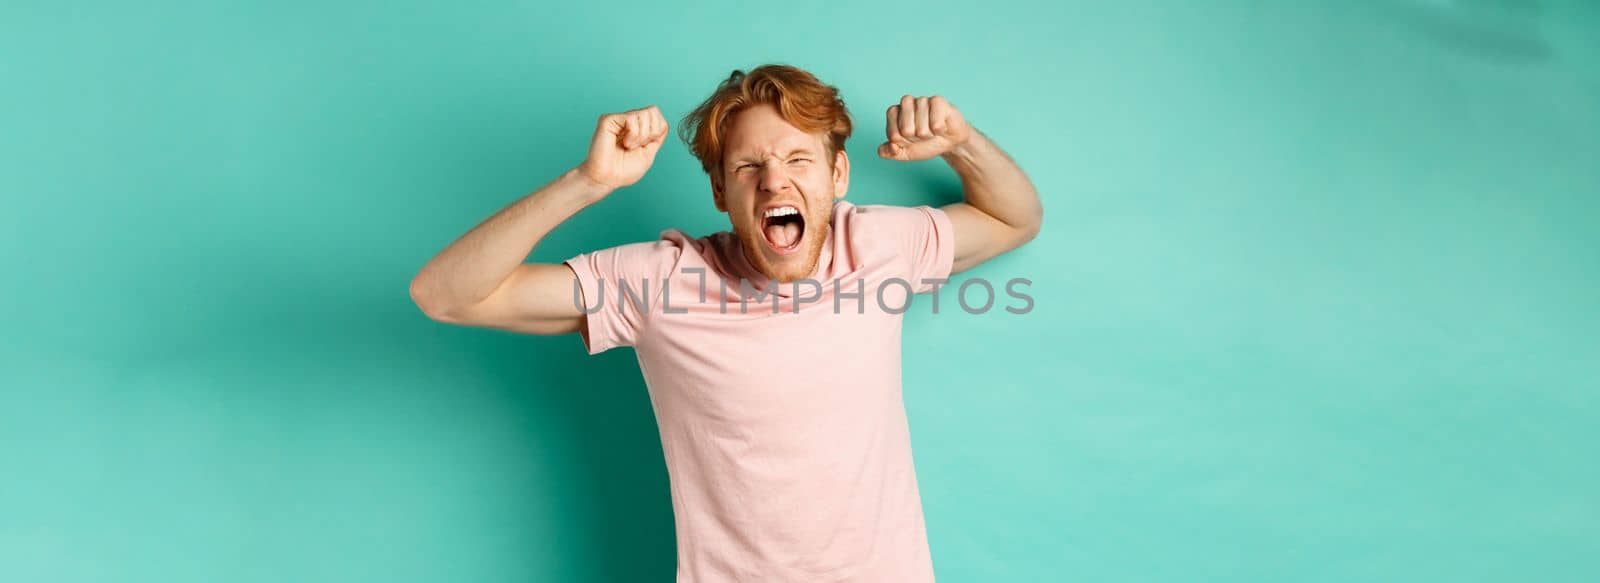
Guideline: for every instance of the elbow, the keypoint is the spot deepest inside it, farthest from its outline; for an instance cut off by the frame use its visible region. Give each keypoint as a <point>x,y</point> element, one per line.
<point>425,302</point>
<point>1030,230</point>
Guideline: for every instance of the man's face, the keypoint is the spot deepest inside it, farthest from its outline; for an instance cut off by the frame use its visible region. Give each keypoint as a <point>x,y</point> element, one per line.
<point>778,190</point>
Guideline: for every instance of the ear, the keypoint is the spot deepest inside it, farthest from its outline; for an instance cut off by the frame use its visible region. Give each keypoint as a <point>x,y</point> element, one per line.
<point>841,174</point>
<point>717,195</point>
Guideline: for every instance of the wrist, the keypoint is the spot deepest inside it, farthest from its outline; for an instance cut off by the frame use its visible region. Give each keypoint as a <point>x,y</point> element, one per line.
<point>965,149</point>
<point>586,184</point>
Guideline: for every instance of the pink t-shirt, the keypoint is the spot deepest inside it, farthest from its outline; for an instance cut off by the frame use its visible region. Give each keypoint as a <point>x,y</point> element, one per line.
<point>785,434</point>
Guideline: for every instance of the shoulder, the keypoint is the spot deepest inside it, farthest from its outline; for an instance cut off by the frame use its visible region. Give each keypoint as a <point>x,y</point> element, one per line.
<point>918,240</point>
<point>888,227</point>
<point>643,258</point>
<point>885,215</point>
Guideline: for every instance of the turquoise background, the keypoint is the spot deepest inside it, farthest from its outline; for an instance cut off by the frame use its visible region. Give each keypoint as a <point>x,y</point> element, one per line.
<point>1315,296</point>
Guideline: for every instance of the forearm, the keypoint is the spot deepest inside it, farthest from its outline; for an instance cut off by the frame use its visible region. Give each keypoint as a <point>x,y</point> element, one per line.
<point>994,184</point>
<point>473,266</point>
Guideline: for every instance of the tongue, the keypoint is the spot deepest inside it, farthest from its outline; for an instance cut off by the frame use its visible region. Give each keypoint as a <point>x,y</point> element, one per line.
<point>783,235</point>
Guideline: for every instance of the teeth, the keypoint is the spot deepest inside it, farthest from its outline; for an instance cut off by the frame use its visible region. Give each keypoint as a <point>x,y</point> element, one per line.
<point>781,211</point>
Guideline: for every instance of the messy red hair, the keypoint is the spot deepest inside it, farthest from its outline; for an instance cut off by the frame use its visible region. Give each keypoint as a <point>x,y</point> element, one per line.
<point>800,98</point>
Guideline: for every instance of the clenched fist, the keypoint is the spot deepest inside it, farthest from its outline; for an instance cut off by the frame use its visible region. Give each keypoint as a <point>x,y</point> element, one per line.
<point>624,146</point>
<point>923,127</point>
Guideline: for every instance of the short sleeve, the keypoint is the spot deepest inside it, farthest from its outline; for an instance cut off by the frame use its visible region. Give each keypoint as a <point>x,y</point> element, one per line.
<point>932,248</point>
<point>923,238</point>
<point>618,285</point>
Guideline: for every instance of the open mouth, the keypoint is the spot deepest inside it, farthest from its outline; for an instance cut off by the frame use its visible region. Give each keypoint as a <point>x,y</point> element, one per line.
<point>783,227</point>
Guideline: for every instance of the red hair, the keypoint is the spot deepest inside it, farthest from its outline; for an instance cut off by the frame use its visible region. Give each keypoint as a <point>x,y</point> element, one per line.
<point>800,98</point>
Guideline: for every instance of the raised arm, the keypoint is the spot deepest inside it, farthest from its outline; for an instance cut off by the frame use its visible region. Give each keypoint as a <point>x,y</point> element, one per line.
<point>1001,210</point>
<point>481,278</point>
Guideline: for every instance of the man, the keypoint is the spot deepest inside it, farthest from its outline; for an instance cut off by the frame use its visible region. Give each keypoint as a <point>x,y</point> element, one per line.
<point>771,352</point>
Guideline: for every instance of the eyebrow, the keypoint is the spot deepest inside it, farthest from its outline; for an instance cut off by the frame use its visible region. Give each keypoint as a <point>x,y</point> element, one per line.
<point>800,150</point>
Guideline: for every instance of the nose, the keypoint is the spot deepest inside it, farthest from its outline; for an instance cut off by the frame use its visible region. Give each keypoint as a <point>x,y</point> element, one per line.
<point>774,177</point>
